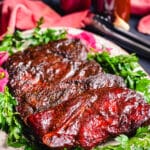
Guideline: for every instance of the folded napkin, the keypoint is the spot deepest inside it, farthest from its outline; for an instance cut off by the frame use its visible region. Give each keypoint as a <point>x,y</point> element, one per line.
<point>23,15</point>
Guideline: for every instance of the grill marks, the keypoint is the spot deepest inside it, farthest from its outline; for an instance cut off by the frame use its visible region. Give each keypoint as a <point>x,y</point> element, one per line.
<point>69,101</point>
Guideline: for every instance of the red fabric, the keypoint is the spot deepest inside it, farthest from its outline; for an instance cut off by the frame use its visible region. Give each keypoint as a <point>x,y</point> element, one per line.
<point>140,7</point>
<point>23,14</point>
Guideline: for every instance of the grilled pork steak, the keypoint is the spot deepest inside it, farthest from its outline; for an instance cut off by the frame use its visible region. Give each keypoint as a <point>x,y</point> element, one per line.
<point>68,101</point>
<point>93,117</point>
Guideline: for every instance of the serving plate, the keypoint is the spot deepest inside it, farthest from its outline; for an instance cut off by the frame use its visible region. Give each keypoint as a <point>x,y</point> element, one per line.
<point>100,42</point>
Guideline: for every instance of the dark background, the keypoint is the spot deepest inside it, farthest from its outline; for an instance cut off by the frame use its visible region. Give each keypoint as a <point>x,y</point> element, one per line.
<point>145,62</point>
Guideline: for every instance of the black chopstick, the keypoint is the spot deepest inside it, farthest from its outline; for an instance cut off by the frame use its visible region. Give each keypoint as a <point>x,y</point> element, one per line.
<point>122,38</point>
<point>133,37</point>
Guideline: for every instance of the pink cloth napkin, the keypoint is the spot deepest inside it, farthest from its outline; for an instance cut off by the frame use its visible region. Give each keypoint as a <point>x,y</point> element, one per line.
<point>23,15</point>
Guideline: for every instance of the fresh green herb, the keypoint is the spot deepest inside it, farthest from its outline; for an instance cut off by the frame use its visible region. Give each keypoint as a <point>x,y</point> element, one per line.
<point>143,85</point>
<point>127,67</point>
<point>141,141</point>
<point>9,121</point>
<point>18,41</point>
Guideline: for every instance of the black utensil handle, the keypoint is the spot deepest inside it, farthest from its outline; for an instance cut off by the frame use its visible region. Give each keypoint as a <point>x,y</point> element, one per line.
<point>130,45</point>
<point>121,40</point>
<point>133,37</point>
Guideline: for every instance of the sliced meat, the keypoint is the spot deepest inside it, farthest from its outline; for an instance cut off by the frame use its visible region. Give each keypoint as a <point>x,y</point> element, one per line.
<point>40,78</point>
<point>95,116</point>
<point>71,49</point>
<point>116,111</point>
<point>38,100</point>
<point>48,64</point>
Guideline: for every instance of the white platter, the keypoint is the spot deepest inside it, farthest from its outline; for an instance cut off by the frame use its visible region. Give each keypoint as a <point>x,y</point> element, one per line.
<point>115,50</point>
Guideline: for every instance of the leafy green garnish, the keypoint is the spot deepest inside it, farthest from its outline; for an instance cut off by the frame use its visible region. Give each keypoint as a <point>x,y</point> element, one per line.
<point>141,141</point>
<point>143,85</point>
<point>9,120</point>
<point>10,123</point>
<point>18,41</point>
<point>126,66</point>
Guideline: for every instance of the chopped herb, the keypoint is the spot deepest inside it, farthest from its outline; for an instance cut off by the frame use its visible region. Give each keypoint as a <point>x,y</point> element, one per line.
<point>143,85</point>
<point>141,141</point>
<point>9,121</point>
<point>18,41</point>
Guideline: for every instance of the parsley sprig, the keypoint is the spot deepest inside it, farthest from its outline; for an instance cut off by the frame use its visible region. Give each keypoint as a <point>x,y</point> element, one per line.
<point>9,120</point>
<point>18,41</point>
<point>141,141</point>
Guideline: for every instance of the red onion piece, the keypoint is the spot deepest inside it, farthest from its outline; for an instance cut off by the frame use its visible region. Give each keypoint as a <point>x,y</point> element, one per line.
<point>3,57</point>
<point>88,39</point>
<point>3,79</point>
<point>3,73</point>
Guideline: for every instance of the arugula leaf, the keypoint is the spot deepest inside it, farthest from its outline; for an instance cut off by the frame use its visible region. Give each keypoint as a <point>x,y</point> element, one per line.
<point>127,67</point>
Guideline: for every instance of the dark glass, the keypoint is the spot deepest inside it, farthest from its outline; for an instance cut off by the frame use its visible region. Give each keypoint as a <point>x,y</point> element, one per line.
<point>113,7</point>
